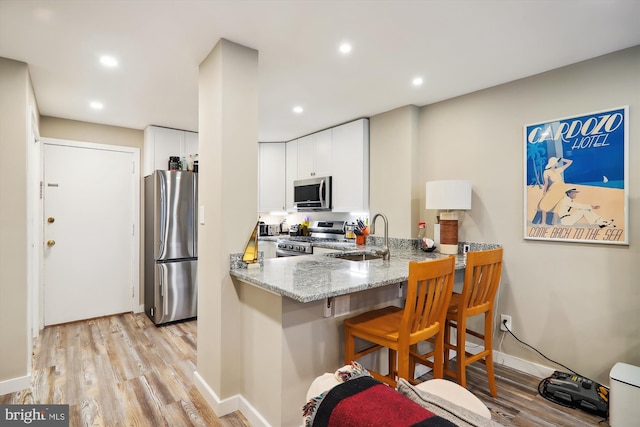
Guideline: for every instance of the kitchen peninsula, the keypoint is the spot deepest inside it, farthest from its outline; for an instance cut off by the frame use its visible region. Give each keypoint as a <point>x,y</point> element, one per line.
<point>284,304</point>
<point>316,277</point>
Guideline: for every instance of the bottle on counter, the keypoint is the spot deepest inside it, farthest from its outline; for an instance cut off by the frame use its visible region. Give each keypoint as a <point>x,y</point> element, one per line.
<point>420,241</point>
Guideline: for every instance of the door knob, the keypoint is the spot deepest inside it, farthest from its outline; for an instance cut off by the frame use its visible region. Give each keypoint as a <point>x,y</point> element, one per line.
<point>51,219</point>
<point>51,243</point>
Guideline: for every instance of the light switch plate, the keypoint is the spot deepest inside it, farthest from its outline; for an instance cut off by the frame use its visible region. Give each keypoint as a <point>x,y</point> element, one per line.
<point>201,214</point>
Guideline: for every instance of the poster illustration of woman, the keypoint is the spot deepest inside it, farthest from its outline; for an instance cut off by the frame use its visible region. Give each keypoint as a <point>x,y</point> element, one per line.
<point>576,178</point>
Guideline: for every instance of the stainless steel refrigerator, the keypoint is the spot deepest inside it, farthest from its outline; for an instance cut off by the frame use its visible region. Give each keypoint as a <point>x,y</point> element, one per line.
<point>171,246</point>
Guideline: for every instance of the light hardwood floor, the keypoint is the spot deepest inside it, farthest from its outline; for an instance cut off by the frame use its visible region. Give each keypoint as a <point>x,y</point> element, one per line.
<point>121,371</point>
<point>124,371</point>
<point>518,402</point>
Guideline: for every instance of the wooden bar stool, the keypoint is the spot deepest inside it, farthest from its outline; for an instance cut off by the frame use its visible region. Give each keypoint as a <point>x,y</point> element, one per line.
<point>428,294</point>
<point>481,280</point>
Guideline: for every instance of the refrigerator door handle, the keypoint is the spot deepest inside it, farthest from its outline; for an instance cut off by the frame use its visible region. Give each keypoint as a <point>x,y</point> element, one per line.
<point>162,285</point>
<point>165,304</point>
<point>195,215</point>
<point>161,215</point>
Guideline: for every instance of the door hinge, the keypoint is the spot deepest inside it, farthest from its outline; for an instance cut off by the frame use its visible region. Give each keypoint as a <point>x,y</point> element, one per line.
<point>41,190</point>
<point>133,229</point>
<point>133,292</point>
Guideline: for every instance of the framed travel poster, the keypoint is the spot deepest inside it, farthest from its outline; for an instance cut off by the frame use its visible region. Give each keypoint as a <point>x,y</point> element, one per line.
<point>577,178</point>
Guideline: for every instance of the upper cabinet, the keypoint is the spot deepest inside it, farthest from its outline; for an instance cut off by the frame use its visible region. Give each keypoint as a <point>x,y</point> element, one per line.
<point>271,176</point>
<point>190,144</point>
<point>291,174</point>
<point>161,143</point>
<point>315,155</point>
<point>341,152</point>
<point>350,167</point>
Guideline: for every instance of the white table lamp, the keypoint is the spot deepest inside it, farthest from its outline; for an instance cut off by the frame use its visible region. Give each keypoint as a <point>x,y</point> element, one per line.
<point>449,196</point>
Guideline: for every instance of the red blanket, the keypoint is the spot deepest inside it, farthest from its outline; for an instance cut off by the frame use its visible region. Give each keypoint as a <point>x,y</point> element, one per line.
<point>365,401</point>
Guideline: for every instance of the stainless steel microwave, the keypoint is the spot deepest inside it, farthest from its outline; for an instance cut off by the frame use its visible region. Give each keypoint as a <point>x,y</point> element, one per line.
<point>312,194</point>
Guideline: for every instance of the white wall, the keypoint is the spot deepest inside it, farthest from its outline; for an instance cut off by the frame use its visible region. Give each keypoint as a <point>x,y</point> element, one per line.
<point>394,168</point>
<point>16,95</point>
<point>577,303</point>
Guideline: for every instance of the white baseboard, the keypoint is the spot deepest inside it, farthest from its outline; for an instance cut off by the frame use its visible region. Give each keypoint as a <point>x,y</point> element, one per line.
<point>140,309</point>
<point>15,384</point>
<point>230,404</point>
<point>522,365</point>
<point>513,362</point>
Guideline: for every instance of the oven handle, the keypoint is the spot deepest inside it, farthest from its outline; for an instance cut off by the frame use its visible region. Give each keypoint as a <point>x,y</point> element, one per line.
<point>282,254</point>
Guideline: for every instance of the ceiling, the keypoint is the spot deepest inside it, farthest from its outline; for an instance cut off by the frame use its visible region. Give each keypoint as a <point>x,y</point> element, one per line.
<point>456,46</point>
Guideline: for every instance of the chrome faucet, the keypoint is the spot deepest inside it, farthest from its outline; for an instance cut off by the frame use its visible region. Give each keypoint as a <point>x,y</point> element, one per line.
<point>385,250</point>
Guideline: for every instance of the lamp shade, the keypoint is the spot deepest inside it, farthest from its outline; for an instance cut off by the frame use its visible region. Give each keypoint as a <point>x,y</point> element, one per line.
<point>448,195</point>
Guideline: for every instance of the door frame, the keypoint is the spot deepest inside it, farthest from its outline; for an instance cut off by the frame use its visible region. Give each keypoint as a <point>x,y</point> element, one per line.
<point>135,305</point>
<point>34,225</point>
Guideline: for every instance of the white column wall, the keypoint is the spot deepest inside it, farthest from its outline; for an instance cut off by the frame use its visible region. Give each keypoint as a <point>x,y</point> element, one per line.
<point>15,352</point>
<point>228,173</point>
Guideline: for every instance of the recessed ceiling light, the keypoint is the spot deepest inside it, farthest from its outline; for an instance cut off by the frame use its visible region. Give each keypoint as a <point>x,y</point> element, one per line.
<point>108,61</point>
<point>96,105</point>
<point>345,48</point>
<point>298,109</point>
<point>417,81</point>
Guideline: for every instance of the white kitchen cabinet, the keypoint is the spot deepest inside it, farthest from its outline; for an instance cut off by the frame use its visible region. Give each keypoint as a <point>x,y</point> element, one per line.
<point>190,144</point>
<point>291,173</point>
<point>315,155</point>
<point>271,176</point>
<point>350,168</point>
<point>161,143</point>
<point>268,248</point>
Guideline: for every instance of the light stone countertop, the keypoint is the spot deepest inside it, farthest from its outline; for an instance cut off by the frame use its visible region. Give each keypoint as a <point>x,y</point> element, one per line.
<point>315,277</point>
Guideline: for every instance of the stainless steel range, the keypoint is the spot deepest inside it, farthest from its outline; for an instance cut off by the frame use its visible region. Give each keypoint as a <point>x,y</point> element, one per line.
<point>320,231</point>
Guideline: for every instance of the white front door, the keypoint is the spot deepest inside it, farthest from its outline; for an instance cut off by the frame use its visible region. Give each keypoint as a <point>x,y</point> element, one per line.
<point>89,235</point>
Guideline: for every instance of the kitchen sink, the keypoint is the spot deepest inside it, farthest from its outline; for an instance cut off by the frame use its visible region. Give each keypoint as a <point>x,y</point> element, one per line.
<point>360,256</point>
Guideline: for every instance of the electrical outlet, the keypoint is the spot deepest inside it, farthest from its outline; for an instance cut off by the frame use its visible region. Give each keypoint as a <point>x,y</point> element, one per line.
<point>328,302</point>
<point>465,248</point>
<point>507,318</point>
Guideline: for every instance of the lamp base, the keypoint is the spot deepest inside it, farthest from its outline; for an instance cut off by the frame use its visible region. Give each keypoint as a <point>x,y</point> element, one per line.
<point>449,234</point>
<point>449,249</point>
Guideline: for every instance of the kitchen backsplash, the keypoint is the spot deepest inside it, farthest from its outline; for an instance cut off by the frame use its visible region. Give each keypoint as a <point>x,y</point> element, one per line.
<point>297,218</point>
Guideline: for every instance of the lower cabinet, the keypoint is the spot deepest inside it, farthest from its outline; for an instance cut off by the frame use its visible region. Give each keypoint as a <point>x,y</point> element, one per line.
<point>268,247</point>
